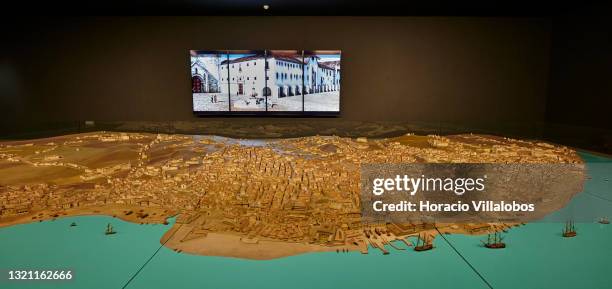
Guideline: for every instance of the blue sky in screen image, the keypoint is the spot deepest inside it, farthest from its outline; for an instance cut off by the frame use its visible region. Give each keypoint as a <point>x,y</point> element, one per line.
<point>329,57</point>
<point>234,56</point>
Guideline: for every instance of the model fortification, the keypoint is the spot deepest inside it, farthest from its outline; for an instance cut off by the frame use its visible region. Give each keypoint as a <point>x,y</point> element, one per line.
<point>290,195</point>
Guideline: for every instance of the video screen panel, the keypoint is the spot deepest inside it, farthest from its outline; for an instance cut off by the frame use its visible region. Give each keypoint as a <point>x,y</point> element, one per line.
<point>322,81</point>
<point>247,80</point>
<point>209,81</point>
<point>261,82</point>
<point>286,80</point>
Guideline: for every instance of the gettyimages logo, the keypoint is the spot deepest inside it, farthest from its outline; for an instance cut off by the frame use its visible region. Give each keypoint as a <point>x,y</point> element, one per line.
<point>412,185</point>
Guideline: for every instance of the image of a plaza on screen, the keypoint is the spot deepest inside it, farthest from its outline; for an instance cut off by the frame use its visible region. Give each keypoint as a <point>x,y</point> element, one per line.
<point>322,76</point>
<point>206,82</point>
<point>271,80</point>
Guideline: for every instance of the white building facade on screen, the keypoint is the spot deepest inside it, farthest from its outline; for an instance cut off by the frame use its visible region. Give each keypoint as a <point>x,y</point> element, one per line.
<point>321,76</point>
<point>277,76</point>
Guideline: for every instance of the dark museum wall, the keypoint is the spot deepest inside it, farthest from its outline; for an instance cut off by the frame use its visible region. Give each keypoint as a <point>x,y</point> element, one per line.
<point>580,88</point>
<point>490,70</point>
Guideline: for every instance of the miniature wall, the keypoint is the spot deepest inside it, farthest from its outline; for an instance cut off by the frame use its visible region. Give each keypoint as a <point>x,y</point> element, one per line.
<point>427,69</point>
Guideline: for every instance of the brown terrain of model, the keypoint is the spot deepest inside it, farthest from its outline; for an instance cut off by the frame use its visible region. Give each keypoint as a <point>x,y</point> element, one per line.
<point>257,199</point>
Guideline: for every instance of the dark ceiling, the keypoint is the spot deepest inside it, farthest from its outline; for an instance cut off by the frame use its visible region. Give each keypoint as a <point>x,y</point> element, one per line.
<point>510,8</point>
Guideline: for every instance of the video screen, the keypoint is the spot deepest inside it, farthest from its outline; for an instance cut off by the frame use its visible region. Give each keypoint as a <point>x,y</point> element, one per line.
<point>266,82</point>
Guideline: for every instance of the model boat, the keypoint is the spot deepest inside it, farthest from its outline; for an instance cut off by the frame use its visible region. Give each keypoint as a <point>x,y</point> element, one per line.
<point>494,241</point>
<point>570,230</point>
<point>423,243</point>
<point>109,230</point>
<point>73,224</point>
<point>604,221</point>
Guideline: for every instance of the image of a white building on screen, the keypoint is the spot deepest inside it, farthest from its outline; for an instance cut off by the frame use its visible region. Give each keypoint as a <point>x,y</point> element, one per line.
<point>286,73</point>
<point>255,80</point>
<point>278,79</point>
<point>322,81</point>
<point>246,74</point>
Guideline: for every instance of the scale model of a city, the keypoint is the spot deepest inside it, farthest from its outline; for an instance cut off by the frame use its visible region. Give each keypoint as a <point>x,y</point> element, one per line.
<point>257,199</point>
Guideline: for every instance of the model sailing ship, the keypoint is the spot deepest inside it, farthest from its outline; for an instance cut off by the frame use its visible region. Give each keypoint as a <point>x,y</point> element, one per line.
<point>604,221</point>
<point>109,230</point>
<point>494,242</point>
<point>425,245</point>
<point>570,230</point>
